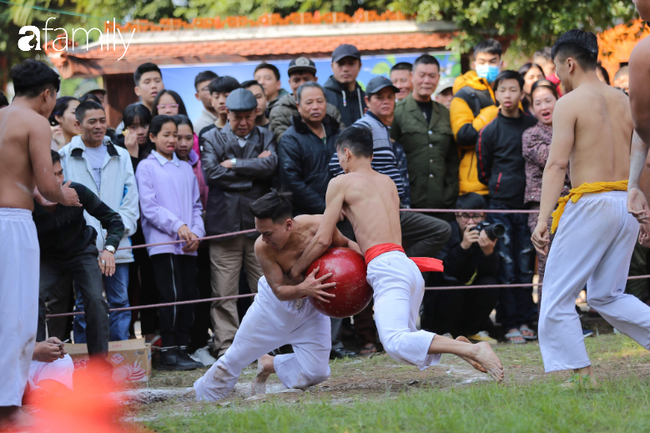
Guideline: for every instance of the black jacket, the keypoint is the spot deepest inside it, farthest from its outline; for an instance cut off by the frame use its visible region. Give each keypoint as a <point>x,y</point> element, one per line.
<point>304,164</point>
<point>501,165</point>
<point>351,105</point>
<point>64,232</point>
<point>464,266</point>
<point>233,190</point>
<point>143,151</point>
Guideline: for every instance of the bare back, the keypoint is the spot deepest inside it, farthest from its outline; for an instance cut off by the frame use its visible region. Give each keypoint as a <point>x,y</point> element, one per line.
<point>603,133</point>
<point>22,133</point>
<point>371,203</point>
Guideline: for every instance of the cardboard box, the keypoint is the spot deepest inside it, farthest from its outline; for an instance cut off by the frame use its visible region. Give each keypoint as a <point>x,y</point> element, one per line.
<point>131,359</point>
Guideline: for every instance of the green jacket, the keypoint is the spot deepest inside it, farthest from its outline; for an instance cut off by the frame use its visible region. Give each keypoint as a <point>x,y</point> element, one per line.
<point>431,154</point>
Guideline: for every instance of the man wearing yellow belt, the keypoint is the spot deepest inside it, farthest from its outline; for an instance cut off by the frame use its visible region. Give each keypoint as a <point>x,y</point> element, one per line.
<point>592,131</point>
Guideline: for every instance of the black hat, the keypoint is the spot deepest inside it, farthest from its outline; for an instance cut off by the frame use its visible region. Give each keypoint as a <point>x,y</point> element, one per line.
<point>241,100</point>
<point>378,83</point>
<point>345,50</point>
<point>302,64</point>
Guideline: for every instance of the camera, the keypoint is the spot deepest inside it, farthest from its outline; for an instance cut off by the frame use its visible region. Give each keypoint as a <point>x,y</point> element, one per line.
<point>493,231</point>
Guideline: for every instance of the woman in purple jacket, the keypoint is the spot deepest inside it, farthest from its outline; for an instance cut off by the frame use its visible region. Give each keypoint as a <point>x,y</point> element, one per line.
<point>536,143</point>
<point>171,210</point>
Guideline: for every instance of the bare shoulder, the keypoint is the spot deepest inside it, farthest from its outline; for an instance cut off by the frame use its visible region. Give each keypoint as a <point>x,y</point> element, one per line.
<point>262,249</point>
<point>641,54</point>
<point>311,221</point>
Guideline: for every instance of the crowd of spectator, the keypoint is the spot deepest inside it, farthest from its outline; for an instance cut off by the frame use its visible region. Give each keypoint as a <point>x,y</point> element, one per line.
<point>475,142</point>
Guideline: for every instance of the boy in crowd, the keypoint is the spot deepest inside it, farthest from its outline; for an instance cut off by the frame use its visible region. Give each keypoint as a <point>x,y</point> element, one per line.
<point>219,88</point>
<point>268,76</point>
<point>473,107</point>
<point>261,119</point>
<point>208,113</point>
<point>400,75</point>
<point>342,89</point>
<point>501,167</point>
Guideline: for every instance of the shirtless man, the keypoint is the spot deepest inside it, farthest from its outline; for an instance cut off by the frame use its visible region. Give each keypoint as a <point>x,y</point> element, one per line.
<point>595,236</point>
<point>280,313</point>
<point>371,203</point>
<point>26,162</point>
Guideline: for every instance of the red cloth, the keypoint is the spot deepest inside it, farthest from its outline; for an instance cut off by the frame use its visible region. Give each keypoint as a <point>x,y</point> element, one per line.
<point>425,264</point>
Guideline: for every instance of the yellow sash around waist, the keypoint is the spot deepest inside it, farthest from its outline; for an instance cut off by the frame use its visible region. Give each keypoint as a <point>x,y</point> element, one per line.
<point>586,188</point>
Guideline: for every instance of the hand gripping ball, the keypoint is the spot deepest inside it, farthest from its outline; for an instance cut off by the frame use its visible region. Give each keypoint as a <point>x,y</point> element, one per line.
<point>353,293</point>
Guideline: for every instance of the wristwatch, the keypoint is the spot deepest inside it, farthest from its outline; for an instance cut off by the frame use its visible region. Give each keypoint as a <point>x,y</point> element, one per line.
<point>233,162</point>
<point>110,248</point>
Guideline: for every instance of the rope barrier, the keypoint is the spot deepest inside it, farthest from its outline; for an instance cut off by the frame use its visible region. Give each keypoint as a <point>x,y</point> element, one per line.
<point>206,238</point>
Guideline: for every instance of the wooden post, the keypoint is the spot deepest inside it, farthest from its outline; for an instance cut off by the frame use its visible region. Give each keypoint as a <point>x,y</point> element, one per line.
<point>120,93</point>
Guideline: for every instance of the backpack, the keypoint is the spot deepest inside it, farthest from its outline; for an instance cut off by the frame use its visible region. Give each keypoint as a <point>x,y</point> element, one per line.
<point>476,99</point>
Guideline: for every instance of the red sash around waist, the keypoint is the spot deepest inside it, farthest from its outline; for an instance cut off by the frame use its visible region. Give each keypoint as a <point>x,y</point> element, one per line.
<point>425,264</point>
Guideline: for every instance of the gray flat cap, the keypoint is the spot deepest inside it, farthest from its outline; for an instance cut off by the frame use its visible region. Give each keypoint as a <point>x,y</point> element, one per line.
<point>241,100</point>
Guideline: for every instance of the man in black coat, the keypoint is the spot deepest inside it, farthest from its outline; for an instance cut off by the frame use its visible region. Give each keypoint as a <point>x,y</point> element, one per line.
<point>342,89</point>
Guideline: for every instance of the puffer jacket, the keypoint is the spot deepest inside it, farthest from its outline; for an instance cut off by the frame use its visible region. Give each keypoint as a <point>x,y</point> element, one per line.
<point>351,105</point>
<point>304,164</point>
<point>473,107</point>
<point>281,117</point>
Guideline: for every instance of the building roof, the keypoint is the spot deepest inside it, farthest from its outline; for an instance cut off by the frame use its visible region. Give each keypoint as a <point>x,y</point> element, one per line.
<point>217,45</point>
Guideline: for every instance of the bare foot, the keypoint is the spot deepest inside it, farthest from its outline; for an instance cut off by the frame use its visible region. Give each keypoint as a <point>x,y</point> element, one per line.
<point>474,364</point>
<point>485,356</point>
<point>264,370</point>
<point>587,375</point>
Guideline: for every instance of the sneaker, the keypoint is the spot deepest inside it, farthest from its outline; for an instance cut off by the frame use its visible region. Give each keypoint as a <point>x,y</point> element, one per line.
<point>185,359</point>
<point>203,356</point>
<point>587,333</point>
<point>482,336</point>
<point>170,361</point>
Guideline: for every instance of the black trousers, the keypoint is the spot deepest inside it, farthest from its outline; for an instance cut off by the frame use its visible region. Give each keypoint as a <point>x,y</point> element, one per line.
<point>142,288</point>
<point>83,268</point>
<point>199,335</point>
<point>176,281</point>
<point>459,312</point>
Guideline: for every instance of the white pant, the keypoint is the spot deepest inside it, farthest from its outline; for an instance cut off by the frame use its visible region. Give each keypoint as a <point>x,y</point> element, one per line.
<point>60,371</point>
<point>269,324</point>
<point>593,246</point>
<point>398,291</point>
<point>19,271</point>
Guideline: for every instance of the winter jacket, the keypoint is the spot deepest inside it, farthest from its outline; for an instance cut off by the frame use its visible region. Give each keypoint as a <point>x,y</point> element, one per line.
<point>388,157</point>
<point>118,188</point>
<point>430,152</point>
<point>501,165</point>
<point>232,190</point>
<point>281,117</point>
<point>272,104</point>
<point>351,105</point>
<point>304,164</point>
<point>473,107</point>
<point>143,151</point>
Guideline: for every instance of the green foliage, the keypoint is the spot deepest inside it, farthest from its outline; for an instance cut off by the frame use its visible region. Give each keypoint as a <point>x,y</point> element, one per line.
<point>533,24</point>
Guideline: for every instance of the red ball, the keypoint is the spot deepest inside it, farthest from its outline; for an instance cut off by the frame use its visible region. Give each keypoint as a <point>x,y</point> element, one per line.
<point>353,293</point>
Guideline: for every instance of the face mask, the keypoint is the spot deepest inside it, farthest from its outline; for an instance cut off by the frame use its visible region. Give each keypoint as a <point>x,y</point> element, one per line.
<point>489,72</point>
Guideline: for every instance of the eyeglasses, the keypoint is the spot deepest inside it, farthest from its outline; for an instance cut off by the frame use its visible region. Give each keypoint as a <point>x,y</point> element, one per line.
<point>470,216</point>
<point>162,107</point>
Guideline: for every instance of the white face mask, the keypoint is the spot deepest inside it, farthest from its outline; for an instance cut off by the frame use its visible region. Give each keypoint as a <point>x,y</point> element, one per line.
<point>489,72</point>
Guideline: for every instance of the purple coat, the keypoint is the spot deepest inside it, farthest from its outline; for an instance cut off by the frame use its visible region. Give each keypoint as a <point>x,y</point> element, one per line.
<point>536,143</point>
<point>169,198</point>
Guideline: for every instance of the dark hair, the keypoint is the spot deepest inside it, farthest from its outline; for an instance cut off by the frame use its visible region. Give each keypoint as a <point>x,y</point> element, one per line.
<point>275,205</point>
<point>56,157</point>
<point>177,98</point>
<point>136,111</point>
<point>270,67</point>
<point>90,96</point>
<point>181,119</point>
<point>581,45</point>
<point>471,200</point>
<point>489,46</point>
<point>204,76</point>
<point>62,104</point>
<point>89,104</point>
<point>544,83</point>
<point>508,75</point>
<point>250,83</point>
<point>143,69</point>
<point>358,139</point>
<point>306,85</point>
<point>225,84</point>
<point>31,78</point>
<point>157,123</point>
<point>603,71</point>
<point>402,66</point>
<point>3,100</point>
<point>527,67</point>
<point>426,59</point>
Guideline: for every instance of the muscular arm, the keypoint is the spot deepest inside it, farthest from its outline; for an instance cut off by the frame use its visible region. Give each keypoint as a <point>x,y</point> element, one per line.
<point>334,200</point>
<point>640,89</point>
<point>338,240</point>
<point>40,138</point>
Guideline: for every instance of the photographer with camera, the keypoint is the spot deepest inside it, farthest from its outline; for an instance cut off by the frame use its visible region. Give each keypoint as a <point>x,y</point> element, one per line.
<point>469,258</point>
